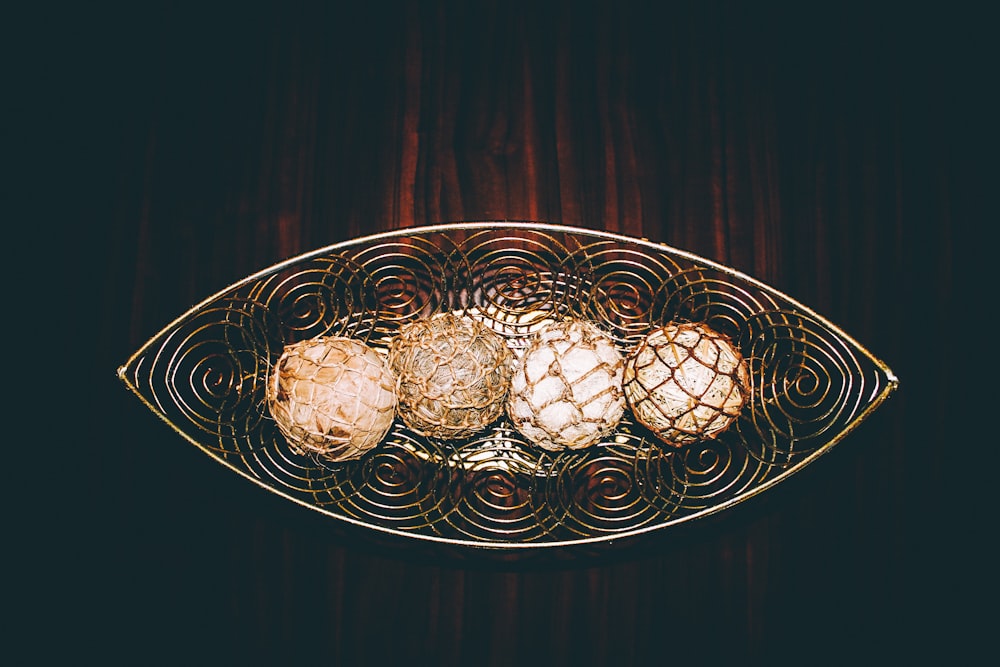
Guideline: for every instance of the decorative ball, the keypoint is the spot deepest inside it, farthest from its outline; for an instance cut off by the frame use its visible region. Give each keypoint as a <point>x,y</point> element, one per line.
<point>686,382</point>
<point>452,375</point>
<point>566,392</point>
<point>332,396</point>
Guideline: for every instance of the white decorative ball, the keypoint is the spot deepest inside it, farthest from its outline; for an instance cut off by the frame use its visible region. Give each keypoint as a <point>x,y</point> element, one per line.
<point>686,382</point>
<point>332,396</point>
<point>566,392</point>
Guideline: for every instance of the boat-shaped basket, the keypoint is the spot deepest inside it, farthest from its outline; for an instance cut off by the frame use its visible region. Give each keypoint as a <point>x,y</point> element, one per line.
<point>205,374</point>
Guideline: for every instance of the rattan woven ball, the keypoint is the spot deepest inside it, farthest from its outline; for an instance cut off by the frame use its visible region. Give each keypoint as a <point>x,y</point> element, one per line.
<point>566,392</point>
<point>686,382</point>
<point>332,396</point>
<point>452,374</point>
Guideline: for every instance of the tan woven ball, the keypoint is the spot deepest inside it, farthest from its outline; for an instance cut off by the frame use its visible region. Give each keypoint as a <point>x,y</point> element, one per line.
<point>331,396</point>
<point>686,382</point>
<point>566,392</point>
<point>452,375</point>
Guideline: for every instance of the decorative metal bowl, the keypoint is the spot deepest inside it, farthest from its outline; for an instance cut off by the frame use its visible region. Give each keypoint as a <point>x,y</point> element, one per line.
<point>205,375</point>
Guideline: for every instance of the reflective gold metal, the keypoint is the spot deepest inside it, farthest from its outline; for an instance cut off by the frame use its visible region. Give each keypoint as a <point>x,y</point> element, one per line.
<point>205,375</point>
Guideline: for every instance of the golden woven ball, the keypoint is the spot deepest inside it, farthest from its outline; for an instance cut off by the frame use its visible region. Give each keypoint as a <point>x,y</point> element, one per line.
<point>686,382</point>
<point>333,397</point>
<point>452,375</point>
<point>566,392</point>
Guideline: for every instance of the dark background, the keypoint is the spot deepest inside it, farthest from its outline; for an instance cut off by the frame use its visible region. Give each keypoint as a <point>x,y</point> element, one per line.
<point>826,150</point>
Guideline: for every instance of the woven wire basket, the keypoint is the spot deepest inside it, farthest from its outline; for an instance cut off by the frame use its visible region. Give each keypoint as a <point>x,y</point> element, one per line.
<point>206,373</point>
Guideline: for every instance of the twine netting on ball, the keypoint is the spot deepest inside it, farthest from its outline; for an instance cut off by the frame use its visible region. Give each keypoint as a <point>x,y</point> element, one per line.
<point>332,396</point>
<point>452,373</point>
<point>567,389</point>
<point>686,382</point>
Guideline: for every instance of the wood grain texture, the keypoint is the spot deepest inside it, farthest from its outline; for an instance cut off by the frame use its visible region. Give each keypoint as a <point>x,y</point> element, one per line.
<point>813,150</point>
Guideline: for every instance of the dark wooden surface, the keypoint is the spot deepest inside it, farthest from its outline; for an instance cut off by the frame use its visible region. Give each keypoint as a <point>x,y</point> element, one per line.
<point>818,150</point>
